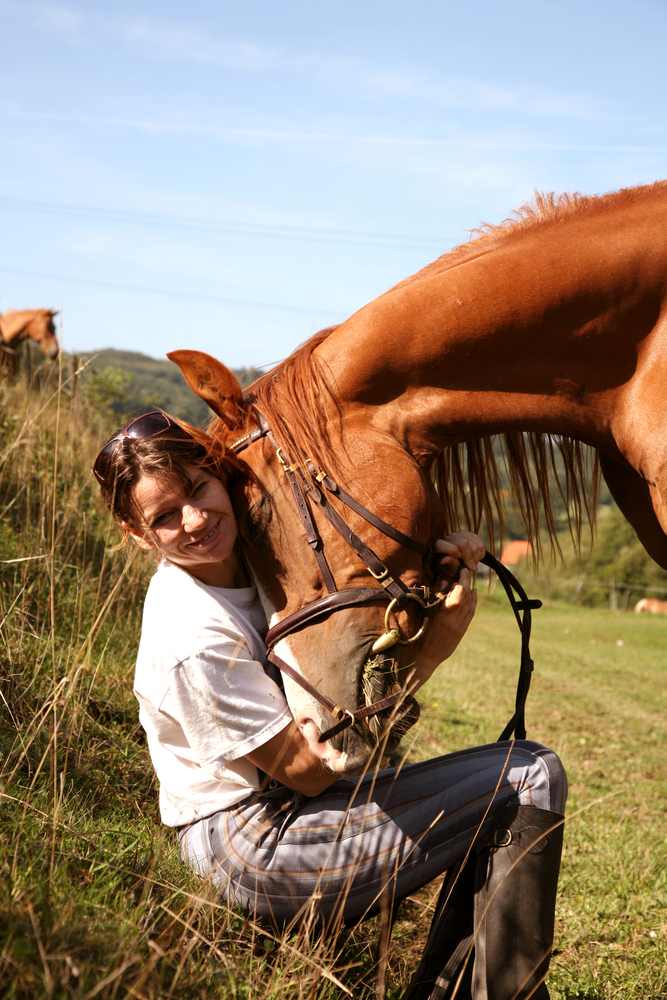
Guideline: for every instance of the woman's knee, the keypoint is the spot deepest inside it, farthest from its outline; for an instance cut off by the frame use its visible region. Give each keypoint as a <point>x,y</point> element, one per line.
<point>547,777</point>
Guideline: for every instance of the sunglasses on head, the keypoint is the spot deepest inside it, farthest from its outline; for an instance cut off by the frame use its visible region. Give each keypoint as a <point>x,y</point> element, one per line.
<point>148,425</point>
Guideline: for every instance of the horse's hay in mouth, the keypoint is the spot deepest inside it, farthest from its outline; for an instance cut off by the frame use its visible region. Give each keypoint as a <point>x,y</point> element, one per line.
<point>373,677</point>
<point>379,678</point>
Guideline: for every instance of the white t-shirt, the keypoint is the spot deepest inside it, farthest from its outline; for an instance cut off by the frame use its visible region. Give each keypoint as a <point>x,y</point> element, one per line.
<point>205,700</point>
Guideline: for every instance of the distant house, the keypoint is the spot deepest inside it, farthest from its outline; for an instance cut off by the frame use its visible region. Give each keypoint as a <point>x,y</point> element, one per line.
<point>515,552</point>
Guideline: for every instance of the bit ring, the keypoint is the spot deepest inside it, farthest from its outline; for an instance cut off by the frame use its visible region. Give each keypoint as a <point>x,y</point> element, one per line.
<point>419,634</point>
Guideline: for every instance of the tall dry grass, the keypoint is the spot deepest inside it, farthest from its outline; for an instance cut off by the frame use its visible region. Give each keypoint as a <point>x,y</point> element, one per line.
<point>94,900</point>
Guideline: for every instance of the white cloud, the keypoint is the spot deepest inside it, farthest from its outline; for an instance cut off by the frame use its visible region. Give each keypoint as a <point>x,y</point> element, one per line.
<point>165,40</point>
<point>518,141</point>
<point>472,92</point>
<point>65,23</point>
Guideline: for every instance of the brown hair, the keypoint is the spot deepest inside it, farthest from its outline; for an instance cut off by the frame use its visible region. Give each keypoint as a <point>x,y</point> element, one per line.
<point>171,453</point>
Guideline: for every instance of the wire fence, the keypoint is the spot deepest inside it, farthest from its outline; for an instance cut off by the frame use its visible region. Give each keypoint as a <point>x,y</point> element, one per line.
<point>576,590</point>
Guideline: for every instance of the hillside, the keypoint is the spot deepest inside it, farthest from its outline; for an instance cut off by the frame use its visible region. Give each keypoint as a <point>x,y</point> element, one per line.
<point>133,382</point>
<point>120,384</point>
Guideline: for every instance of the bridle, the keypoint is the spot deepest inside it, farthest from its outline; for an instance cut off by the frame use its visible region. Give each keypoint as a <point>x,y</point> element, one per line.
<point>316,490</point>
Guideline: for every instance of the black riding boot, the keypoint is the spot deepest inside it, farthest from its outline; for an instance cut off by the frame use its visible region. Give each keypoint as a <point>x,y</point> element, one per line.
<point>515,900</point>
<point>499,916</point>
<point>449,945</point>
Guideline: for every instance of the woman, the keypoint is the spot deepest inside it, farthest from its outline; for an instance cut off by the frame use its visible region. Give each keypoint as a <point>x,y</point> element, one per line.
<point>254,807</point>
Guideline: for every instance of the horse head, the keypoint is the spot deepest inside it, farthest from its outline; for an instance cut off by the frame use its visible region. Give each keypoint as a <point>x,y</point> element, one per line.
<point>338,649</point>
<point>16,325</point>
<point>474,350</point>
<point>42,330</point>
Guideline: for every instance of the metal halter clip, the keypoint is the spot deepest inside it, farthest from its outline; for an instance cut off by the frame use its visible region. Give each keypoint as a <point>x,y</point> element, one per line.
<point>286,467</point>
<point>501,838</point>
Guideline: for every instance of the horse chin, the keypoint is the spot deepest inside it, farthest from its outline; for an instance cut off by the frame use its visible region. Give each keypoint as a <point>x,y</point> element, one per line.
<point>334,758</point>
<point>365,744</point>
<point>347,753</point>
<point>362,747</point>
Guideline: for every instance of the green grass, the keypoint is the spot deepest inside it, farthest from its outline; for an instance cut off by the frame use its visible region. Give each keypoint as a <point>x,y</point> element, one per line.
<point>93,899</point>
<point>598,699</point>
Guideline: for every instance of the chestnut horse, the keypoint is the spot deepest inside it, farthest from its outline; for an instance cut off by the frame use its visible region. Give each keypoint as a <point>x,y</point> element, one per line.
<point>651,605</point>
<point>17,324</point>
<point>549,330</point>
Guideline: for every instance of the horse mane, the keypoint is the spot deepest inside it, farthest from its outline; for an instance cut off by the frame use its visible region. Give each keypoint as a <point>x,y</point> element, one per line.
<point>469,480</point>
<point>545,208</point>
<point>475,480</point>
<point>301,379</point>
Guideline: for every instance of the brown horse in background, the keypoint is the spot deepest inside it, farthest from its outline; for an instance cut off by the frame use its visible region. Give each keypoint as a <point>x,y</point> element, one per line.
<point>651,605</point>
<point>17,324</point>
<point>549,331</point>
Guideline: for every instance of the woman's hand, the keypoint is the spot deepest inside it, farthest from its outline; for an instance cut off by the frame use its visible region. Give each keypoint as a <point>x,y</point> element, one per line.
<point>450,622</point>
<point>461,546</point>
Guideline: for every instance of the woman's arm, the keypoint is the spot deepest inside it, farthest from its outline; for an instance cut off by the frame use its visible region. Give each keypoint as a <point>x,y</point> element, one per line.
<point>288,758</point>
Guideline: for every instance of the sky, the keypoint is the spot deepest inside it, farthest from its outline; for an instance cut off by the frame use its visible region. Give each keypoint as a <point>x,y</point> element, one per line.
<point>232,177</point>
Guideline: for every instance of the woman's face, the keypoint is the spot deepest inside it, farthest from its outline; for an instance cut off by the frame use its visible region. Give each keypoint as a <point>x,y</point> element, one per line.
<point>193,527</point>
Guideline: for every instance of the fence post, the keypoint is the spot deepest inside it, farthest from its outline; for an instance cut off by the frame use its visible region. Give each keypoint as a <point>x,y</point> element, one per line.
<point>74,367</point>
<point>26,362</point>
<point>612,594</point>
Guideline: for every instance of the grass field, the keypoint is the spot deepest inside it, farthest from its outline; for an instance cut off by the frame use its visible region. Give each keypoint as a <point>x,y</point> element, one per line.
<point>94,902</point>
<point>598,698</point>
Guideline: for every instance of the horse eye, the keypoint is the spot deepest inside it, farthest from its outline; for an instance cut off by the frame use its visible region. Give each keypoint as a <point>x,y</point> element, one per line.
<point>258,518</point>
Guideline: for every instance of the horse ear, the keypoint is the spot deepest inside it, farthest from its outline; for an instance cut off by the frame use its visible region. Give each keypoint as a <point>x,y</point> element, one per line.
<point>216,384</point>
<point>53,312</point>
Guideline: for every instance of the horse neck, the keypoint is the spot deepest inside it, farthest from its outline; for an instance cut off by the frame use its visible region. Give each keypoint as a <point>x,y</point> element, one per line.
<point>14,326</point>
<point>539,333</point>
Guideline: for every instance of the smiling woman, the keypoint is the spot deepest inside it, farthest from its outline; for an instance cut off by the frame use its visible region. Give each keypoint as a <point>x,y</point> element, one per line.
<point>191,524</point>
<point>257,808</point>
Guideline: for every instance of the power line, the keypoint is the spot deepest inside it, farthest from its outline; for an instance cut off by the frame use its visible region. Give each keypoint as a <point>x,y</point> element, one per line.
<point>332,314</point>
<point>234,134</point>
<point>228,226</point>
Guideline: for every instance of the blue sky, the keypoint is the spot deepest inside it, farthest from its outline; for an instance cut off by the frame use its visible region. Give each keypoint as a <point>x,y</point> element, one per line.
<point>233,177</point>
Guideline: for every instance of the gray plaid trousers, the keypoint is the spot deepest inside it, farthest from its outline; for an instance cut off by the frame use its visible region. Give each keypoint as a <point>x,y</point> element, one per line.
<point>363,842</point>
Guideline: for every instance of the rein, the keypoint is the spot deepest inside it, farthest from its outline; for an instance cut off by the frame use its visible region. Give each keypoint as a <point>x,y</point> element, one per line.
<point>392,590</point>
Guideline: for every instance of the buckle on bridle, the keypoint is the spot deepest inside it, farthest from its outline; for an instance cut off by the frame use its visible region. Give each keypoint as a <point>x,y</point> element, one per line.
<point>283,462</point>
<point>312,469</point>
<point>340,713</point>
<point>383,577</point>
